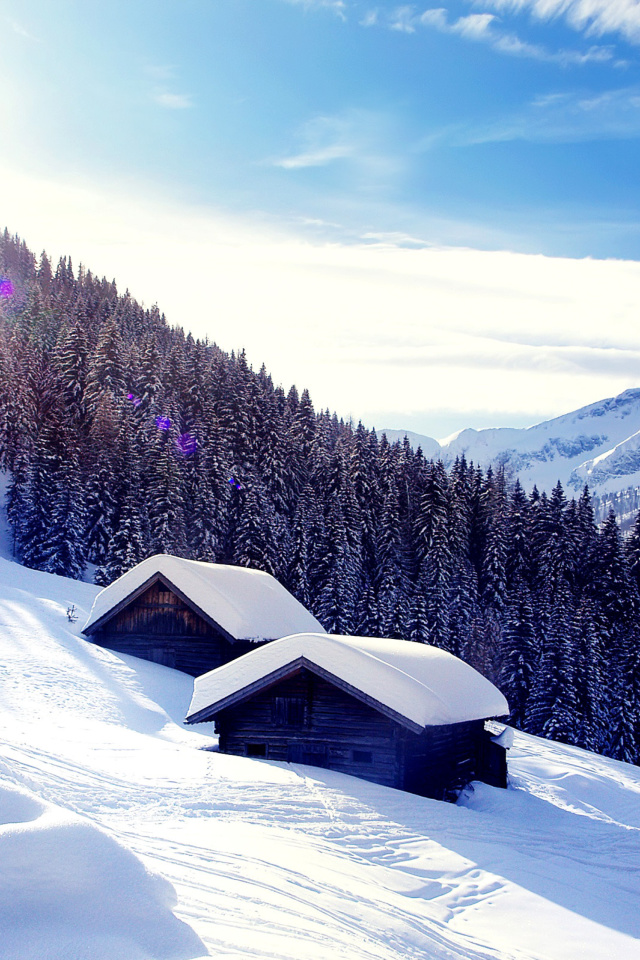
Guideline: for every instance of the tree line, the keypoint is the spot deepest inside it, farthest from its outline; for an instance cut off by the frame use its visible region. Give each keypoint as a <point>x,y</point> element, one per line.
<point>123,437</point>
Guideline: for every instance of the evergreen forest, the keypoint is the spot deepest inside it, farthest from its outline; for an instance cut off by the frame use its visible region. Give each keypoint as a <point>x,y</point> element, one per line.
<point>122,437</point>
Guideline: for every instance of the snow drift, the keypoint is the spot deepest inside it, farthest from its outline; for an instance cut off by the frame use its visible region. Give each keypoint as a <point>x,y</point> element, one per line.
<point>67,889</point>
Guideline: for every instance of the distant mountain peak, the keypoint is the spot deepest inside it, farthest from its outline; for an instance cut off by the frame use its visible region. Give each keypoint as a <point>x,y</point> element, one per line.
<point>598,444</point>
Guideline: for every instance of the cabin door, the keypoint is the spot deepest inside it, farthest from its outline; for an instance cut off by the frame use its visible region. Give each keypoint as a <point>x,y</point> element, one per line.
<point>313,754</point>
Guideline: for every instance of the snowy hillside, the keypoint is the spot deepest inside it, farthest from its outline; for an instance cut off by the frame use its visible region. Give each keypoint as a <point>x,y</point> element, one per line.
<point>598,445</point>
<point>121,838</point>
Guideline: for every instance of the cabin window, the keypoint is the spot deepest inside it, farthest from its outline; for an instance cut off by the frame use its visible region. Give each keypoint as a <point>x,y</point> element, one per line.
<point>256,749</point>
<point>362,756</point>
<point>289,711</point>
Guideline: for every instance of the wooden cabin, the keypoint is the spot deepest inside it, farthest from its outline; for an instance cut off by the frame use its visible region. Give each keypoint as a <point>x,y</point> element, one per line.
<point>191,615</point>
<point>401,714</point>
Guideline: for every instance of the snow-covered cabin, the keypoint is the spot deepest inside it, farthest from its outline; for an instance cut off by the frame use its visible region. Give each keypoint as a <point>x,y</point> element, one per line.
<point>401,714</point>
<point>193,615</point>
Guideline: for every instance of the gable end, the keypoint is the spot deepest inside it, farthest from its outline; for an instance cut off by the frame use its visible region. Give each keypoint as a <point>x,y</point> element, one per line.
<point>289,669</point>
<point>139,591</point>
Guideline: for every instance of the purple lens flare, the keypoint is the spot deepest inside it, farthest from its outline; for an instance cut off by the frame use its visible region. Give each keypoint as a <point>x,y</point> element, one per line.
<point>6,288</point>
<point>163,423</point>
<point>186,444</point>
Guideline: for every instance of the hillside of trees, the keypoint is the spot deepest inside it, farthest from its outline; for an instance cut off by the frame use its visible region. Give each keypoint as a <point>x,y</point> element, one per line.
<point>124,437</point>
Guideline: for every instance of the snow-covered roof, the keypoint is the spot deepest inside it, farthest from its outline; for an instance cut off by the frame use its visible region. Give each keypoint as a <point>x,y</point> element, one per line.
<point>421,685</point>
<point>247,604</point>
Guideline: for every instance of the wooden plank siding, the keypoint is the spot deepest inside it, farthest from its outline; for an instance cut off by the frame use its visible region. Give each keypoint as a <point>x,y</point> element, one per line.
<point>330,728</point>
<point>337,730</point>
<point>442,758</point>
<point>159,626</point>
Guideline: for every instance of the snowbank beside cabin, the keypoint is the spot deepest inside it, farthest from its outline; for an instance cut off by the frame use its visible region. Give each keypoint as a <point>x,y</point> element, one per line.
<point>423,685</point>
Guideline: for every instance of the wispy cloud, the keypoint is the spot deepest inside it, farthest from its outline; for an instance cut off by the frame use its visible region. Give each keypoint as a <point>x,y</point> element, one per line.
<point>163,93</point>
<point>483,28</point>
<point>315,158</point>
<point>19,29</point>
<point>567,118</point>
<point>337,6</point>
<point>402,19</point>
<point>592,17</point>
<point>323,141</point>
<point>359,138</point>
<point>174,101</point>
<point>369,19</point>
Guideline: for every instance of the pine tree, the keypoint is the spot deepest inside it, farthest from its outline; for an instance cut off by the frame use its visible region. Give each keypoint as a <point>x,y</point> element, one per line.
<point>434,554</point>
<point>256,534</point>
<point>64,550</point>
<point>551,709</point>
<point>167,532</point>
<point>72,366</point>
<point>106,374</point>
<point>127,545</point>
<point>336,601</point>
<point>518,655</point>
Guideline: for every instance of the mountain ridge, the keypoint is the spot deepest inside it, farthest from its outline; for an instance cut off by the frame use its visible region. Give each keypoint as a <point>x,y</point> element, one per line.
<point>597,445</point>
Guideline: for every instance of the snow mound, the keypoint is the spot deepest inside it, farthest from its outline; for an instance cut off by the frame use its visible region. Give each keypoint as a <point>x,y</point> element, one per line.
<point>67,890</point>
<point>247,604</point>
<point>422,684</point>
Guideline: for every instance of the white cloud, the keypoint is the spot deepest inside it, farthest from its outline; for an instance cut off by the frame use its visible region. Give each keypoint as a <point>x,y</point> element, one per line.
<point>336,6</point>
<point>315,158</point>
<point>21,31</point>
<point>402,19</point>
<point>379,331</point>
<point>486,28</point>
<point>160,72</point>
<point>593,17</point>
<point>173,101</point>
<point>476,26</point>
<point>360,138</point>
<point>370,19</point>
<point>324,140</point>
<point>436,18</point>
<point>568,118</point>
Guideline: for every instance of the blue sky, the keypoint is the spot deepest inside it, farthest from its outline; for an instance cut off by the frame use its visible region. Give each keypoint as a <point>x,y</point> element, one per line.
<point>492,125</point>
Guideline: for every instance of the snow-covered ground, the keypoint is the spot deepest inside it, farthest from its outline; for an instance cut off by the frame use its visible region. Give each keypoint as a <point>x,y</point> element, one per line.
<point>120,837</point>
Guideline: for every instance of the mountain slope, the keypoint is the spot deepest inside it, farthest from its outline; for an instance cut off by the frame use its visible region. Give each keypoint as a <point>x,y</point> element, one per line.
<point>283,861</point>
<point>598,445</point>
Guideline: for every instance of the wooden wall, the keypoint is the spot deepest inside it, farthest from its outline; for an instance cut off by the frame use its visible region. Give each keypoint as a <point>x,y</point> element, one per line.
<point>337,731</point>
<point>160,627</point>
<point>442,759</point>
<point>332,729</point>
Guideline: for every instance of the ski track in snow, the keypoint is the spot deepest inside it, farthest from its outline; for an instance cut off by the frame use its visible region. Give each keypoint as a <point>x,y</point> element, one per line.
<point>294,863</point>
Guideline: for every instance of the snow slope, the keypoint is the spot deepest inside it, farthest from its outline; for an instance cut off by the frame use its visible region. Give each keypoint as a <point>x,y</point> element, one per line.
<point>598,444</point>
<point>106,799</point>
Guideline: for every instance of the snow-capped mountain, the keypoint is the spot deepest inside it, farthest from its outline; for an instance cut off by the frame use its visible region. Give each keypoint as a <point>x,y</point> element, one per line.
<point>598,445</point>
